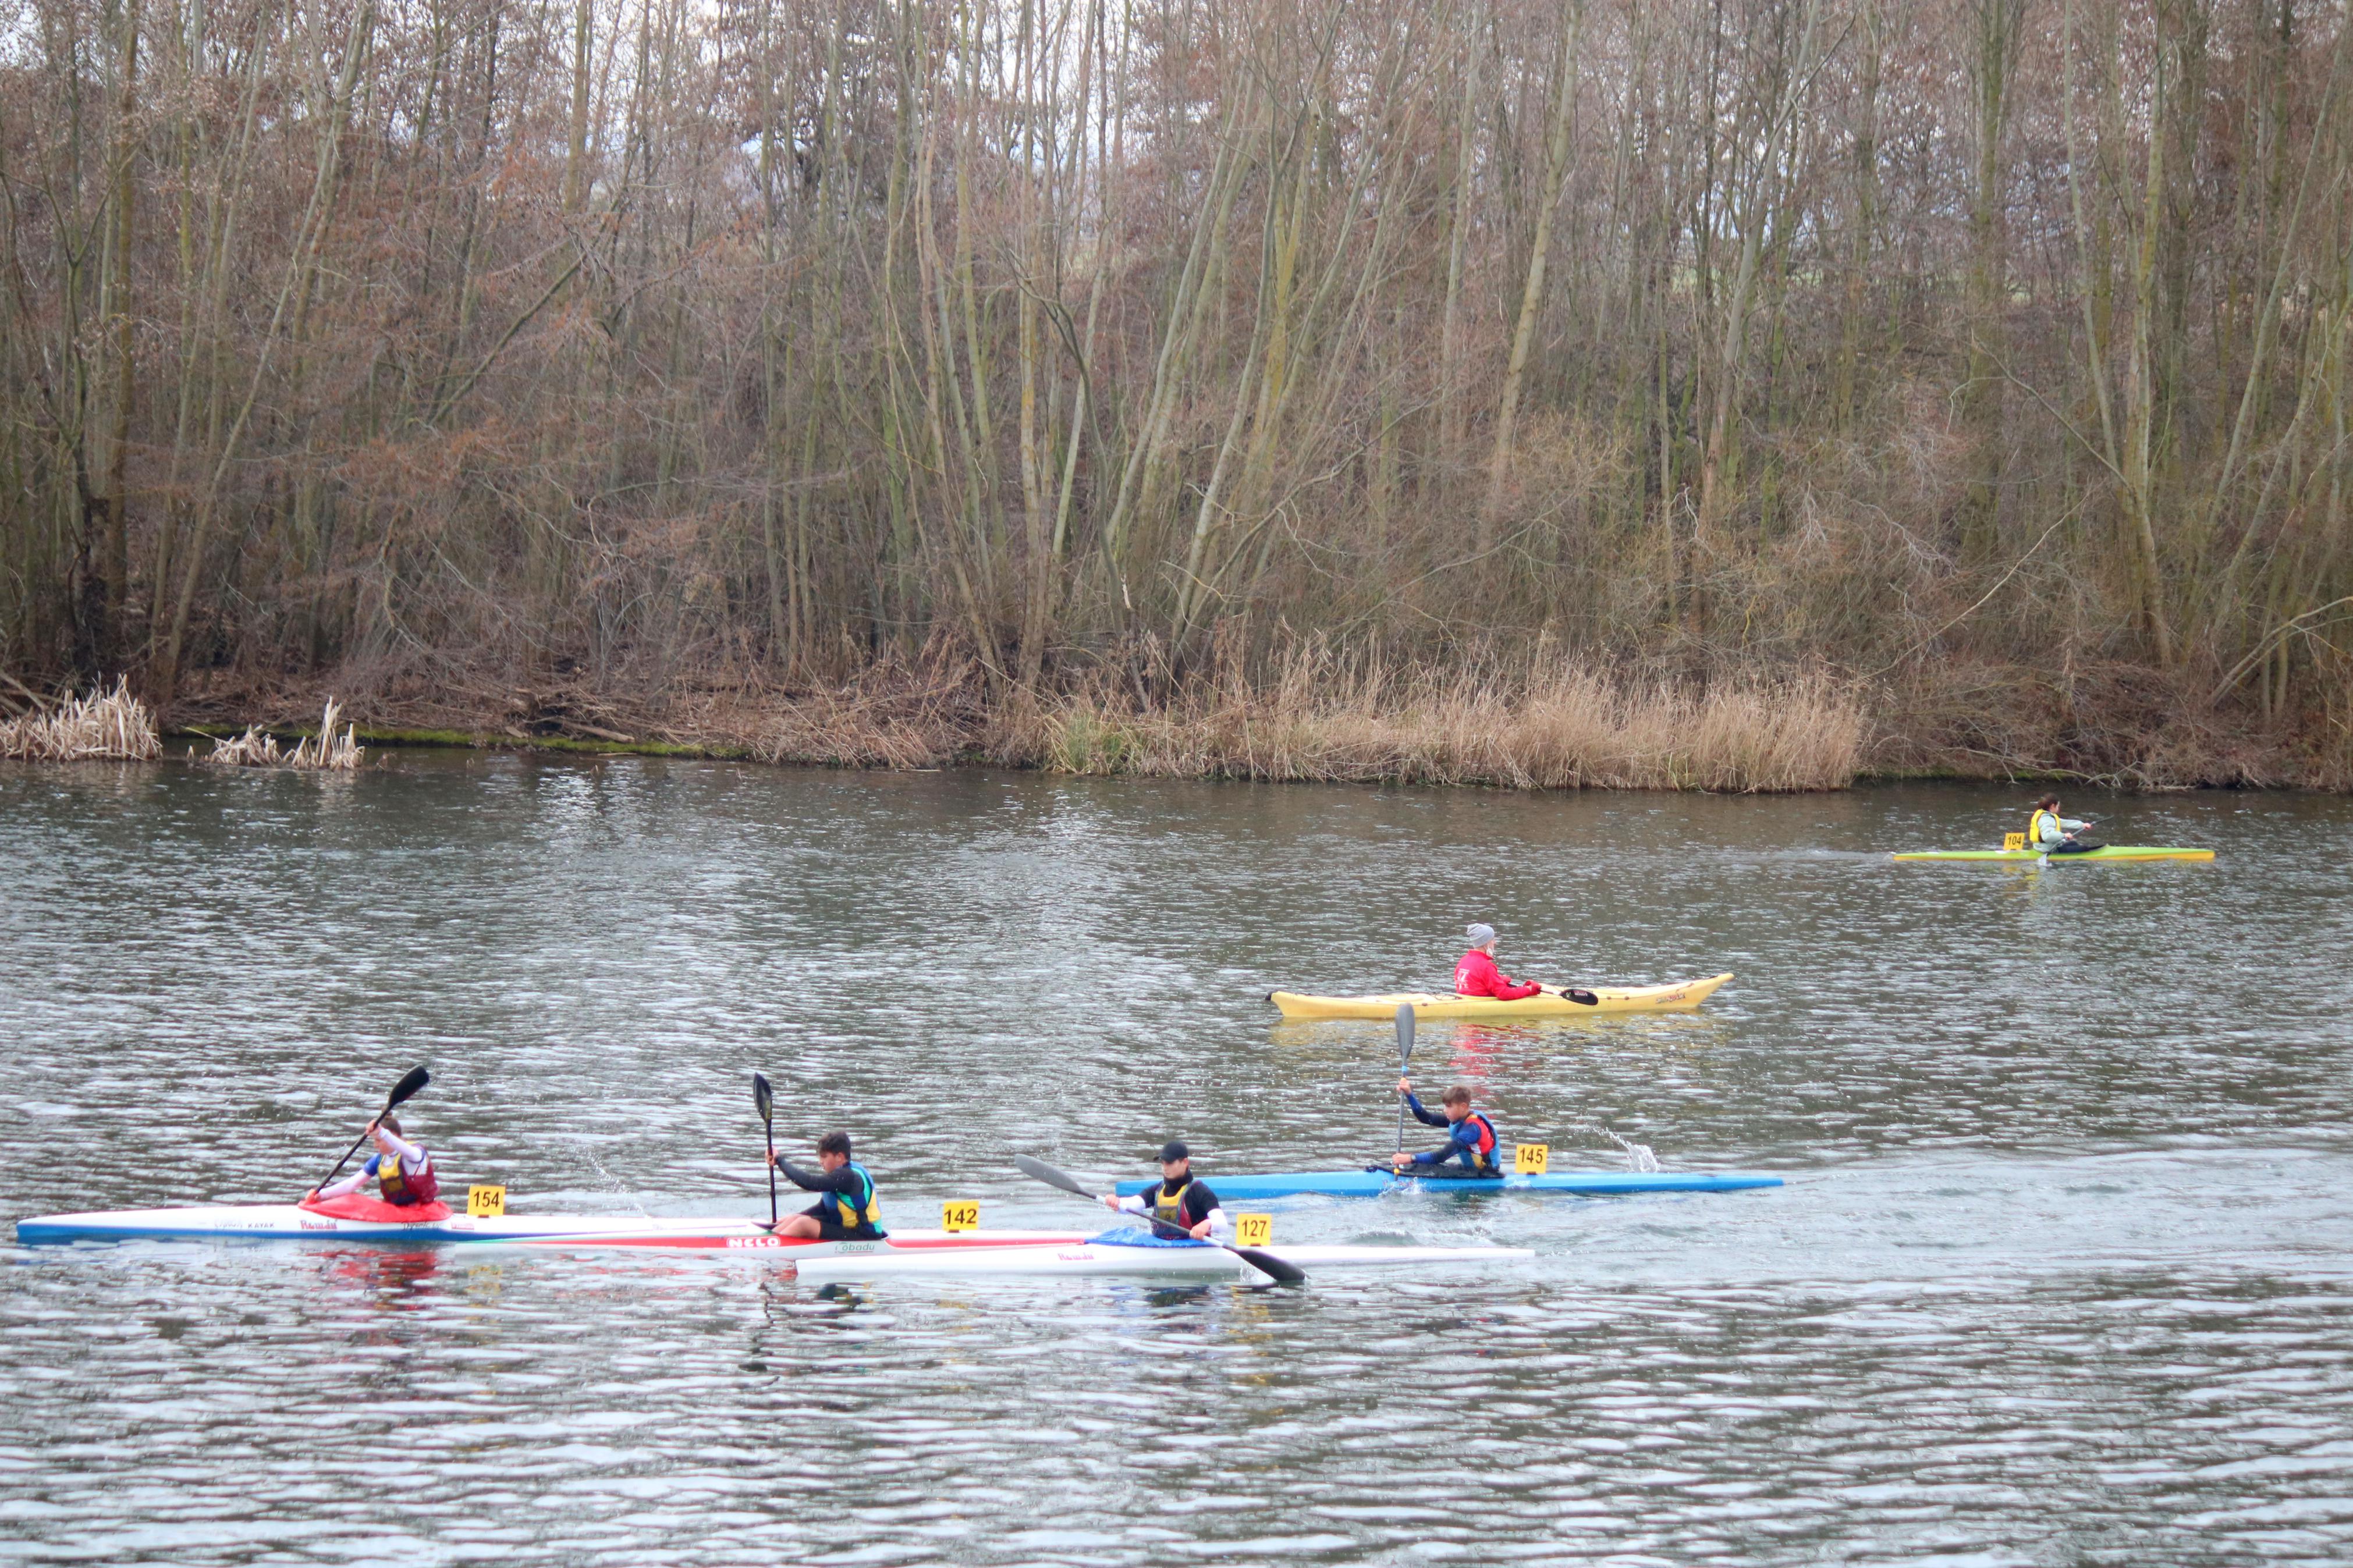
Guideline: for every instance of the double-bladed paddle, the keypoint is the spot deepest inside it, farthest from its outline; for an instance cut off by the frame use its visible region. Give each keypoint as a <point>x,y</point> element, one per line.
<point>410,1082</point>
<point>1570,993</point>
<point>766,1099</point>
<point>1266,1263</point>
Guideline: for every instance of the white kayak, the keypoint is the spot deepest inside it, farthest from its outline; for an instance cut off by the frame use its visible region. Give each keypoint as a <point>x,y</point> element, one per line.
<point>1129,1252</point>
<point>296,1222</point>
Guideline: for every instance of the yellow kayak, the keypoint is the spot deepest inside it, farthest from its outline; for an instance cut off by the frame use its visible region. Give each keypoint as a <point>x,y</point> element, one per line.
<point>1544,1004</point>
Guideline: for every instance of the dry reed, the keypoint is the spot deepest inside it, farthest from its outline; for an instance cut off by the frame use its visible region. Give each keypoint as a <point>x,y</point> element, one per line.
<point>104,725</point>
<point>1329,719</point>
<point>324,750</point>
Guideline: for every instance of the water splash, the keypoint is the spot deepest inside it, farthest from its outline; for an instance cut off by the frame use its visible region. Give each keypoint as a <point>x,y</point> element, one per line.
<point>1640,1157</point>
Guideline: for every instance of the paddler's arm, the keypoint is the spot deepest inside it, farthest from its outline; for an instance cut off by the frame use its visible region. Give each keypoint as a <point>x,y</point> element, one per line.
<point>813,1181</point>
<point>1427,1118</point>
<point>350,1183</point>
<point>411,1156</point>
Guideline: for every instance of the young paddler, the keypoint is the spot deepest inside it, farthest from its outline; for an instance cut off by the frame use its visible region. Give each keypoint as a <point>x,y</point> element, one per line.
<point>848,1211</point>
<point>2048,833</point>
<point>1471,1137</point>
<point>1179,1199</point>
<point>402,1171</point>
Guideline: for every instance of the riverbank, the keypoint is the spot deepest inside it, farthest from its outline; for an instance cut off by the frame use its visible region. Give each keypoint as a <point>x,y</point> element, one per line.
<point>1322,719</point>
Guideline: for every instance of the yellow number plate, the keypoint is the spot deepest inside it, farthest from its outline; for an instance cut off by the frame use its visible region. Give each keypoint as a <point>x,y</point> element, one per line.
<point>1253,1229</point>
<point>2013,841</point>
<point>1530,1159</point>
<point>485,1202</point>
<point>960,1213</point>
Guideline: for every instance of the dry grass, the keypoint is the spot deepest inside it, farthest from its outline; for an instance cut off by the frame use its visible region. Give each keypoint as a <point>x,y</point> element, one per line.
<point>104,724</point>
<point>324,750</point>
<point>1335,720</point>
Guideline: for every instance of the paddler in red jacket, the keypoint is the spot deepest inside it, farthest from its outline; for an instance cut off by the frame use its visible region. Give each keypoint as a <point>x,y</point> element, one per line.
<point>1475,973</point>
<point>402,1171</point>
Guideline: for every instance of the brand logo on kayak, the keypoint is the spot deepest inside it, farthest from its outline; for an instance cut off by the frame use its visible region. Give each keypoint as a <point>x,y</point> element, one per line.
<point>849,1249</point>
<point>753,1241</point>
<point>1079,1255</point>
<point>317,1224</point>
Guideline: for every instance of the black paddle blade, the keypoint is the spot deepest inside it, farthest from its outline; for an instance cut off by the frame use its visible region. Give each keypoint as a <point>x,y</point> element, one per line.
<point>1405,1035</point>
<point>405,1090</point>
<point>1050,1176</point>
<point>763,1097</point>
<point>1582,998</point>
<point>1268,1263</point>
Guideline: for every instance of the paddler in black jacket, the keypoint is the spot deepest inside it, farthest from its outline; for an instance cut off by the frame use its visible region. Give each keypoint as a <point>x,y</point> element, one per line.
<point>1179,1199</point>
<point>848,1211</point>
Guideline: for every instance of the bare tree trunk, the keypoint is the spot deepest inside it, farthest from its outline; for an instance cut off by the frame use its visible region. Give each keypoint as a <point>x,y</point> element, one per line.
<point>1564,105</point>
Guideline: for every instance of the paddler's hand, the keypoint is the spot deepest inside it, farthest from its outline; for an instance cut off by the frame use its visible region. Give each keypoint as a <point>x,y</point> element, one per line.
<point>312,1196</point>
<point>1400,1161</point>
<point>772,1156</point>
<point>1111,1202</point>
<point>1199,1232</point>
<point>1405,1086</point>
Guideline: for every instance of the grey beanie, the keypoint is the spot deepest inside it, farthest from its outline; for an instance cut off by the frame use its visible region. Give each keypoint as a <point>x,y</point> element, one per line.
<point>1480,935</point>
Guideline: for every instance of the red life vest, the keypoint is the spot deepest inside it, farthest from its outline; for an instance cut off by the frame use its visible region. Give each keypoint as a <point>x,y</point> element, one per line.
<point>1485,1151</point>
<point>405,1187</point>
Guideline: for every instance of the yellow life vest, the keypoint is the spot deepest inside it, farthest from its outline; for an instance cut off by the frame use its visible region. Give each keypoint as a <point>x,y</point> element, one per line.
<point>1168,1208</point>
<point>868,1211</point>
<point>2034,826</point>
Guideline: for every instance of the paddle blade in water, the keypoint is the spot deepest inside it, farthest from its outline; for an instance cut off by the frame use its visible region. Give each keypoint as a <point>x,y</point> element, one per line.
<point>1267,1263</point>
<point>1405,1035</point>
<point>763,1097</point>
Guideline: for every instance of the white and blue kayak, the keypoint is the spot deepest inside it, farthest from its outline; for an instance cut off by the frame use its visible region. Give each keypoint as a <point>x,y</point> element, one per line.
<point>298,1222</point>
<point>1372,1184</point>
<point>1132,1251</point>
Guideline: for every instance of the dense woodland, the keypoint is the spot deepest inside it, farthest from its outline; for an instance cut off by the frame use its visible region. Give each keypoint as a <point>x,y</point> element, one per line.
<point>1987,358</point>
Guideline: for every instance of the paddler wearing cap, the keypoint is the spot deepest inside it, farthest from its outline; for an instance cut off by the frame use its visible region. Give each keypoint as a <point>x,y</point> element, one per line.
<point>1179,1200</point>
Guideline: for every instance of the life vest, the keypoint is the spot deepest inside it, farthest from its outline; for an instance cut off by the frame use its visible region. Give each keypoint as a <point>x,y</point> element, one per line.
<point>1168,1208</point>
<point>405,1187</point>
<point>866,1211</point>
<point>2034,826</point>
<point>1483,1152</point>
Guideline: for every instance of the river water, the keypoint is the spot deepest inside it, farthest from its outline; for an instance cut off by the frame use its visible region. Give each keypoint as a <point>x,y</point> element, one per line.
<point>2060,1274</point>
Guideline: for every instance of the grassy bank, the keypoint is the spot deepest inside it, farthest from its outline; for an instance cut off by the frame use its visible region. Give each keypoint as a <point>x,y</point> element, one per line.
<point>1528,722</point>
<point>1314,714</point>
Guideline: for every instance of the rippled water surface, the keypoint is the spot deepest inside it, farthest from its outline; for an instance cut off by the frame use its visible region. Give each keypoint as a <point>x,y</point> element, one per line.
<point>2060,1275</point>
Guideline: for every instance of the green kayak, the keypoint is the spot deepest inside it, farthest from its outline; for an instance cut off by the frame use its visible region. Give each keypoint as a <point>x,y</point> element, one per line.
<point>2022,856</point>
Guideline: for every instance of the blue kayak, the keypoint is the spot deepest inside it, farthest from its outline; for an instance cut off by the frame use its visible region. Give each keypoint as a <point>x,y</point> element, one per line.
<point>1363,1183</point>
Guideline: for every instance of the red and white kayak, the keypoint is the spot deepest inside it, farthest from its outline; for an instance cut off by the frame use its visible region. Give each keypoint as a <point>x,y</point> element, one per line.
<point>365,1219</point>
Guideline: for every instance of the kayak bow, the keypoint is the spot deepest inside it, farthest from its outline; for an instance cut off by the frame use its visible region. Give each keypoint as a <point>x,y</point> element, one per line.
<point>1680,994</point>
<point>1373,1183</point>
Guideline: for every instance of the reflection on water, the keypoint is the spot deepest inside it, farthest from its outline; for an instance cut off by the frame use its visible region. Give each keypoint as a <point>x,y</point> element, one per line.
<point>2059,1275</point>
